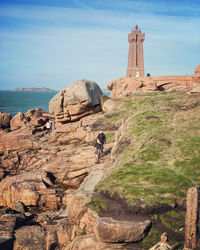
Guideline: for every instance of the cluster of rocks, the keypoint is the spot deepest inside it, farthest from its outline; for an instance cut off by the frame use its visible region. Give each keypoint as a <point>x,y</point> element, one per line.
<point>48,180</point>
<point>46,186</point>
<point>39,173</point>
<point>126,85</point>
<point>34,118</point>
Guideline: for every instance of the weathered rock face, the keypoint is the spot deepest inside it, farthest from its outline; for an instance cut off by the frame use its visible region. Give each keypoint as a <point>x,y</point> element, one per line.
<point>59,232</point>
<point>76,206</point>
<point>7,225</point>
<point>196,80</point>
<point>124,86</point>
<point>196,87</point>
<point>18,121</point>
<point>18,139</point>
<point>34,117</point>
<point>77,100</point>
<point>30,188</point>
<point>127,85</point>
<point>197,69</point>
<point>75,132</point>
<point>173,83</point>
<point>5,120</point>
<point>109,230</point>
<point>86,242</point>
<point>40,175</point>
<point>30,237</point>
<point>192,218</point>
<point>108,105</point>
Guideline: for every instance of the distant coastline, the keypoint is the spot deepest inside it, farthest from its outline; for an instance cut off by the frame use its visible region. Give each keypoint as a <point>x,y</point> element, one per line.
<point>41,90</point>
<point>35,89</point>
<point>30,90</point>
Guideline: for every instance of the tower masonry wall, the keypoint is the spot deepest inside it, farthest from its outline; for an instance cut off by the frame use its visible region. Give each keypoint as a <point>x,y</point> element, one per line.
<point>135,56</point>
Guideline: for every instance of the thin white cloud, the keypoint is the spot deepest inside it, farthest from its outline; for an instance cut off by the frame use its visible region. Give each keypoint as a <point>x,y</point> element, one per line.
<point>147,6</point>
<point>82,4</point>
<point>60,45</point>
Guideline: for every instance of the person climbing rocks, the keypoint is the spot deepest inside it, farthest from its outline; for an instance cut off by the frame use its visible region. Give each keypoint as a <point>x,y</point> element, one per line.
<point>49,125</point>
<point>101,139</point>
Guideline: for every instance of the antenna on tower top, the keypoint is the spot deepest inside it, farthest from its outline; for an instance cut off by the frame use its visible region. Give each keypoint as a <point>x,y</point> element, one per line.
<point>136,27</point>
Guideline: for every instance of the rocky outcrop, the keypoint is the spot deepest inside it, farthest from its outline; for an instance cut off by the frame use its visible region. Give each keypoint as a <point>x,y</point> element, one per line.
<point>30,237</point>
<point>18,121</point>
<point>32,188</point>
<point>79,99</point>
<point>36,117</point>
<point>40,172</point>
<point>197,69</point>
<point>77,206</point>
<point>75,132</point>
<point>7,225</point>
<point>196,75</point>
<point>85,242</point>
<point>108,105</point>
<point>192,218</point>
<point>100,232</point>
<point>196,87</point>
<point>173,83</point>
<point>33,118</point>
<point>67,172</point>
<point>196,80</point>
<point>126,85</point>
<point>109,230</point>
<point>5,120</point>
<point>59,232</point>
<point>17,140</point>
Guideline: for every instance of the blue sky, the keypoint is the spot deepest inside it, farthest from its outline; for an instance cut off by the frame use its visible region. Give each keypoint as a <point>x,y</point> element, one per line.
<point>52,43</point>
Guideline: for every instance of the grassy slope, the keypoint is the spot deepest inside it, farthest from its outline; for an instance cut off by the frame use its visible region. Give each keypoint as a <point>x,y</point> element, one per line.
<point>161,147</point>
<point>157,158</point>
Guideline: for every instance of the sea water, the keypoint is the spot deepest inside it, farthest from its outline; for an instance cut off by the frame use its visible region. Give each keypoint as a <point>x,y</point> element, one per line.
<point>13,102</point>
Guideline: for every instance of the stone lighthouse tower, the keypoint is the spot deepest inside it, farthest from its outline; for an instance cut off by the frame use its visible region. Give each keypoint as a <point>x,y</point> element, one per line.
<point>135,55</point>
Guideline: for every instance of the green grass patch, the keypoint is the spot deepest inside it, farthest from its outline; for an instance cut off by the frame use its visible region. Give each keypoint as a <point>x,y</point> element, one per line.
<point>97,204</point>
<point>110,137</point>
<point>152,238</point>
<point>146,181</point>
<point>158,155</point>
<point>174,221</point>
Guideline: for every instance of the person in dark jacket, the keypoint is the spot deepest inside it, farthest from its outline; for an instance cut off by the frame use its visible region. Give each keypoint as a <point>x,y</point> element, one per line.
<point>101,139</point>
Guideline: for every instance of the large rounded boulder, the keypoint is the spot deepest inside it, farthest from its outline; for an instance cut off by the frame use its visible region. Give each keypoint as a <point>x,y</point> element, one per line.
<point>79,99</point>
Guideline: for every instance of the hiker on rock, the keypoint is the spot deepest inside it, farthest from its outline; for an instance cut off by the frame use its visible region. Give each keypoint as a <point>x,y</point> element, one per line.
<point>49,125</point>
<point>101,139</point>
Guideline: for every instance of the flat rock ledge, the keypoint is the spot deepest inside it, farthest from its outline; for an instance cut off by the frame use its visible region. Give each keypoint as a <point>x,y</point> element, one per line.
<point>110,230</point>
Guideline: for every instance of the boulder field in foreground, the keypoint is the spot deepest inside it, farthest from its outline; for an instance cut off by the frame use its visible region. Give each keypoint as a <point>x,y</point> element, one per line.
<point>79,99</point>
